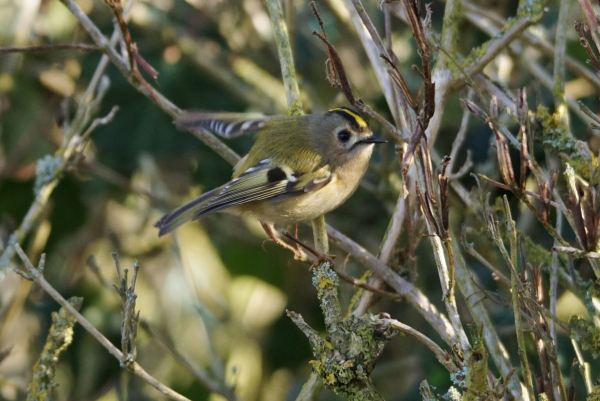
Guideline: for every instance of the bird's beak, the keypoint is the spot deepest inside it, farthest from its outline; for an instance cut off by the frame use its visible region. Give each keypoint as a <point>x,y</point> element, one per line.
<point>373,139</point>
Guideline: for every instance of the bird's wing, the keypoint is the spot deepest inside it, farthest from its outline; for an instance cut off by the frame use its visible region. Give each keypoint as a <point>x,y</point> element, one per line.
<point>266,181</point>
<point>227,125</point>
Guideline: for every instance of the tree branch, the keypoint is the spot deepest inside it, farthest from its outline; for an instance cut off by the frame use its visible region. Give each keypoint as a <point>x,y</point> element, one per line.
<point>36,274</point>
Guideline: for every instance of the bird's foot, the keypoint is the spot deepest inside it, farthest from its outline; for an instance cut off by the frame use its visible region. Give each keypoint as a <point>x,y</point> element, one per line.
<point>322,258</point>
<point>298,254</point>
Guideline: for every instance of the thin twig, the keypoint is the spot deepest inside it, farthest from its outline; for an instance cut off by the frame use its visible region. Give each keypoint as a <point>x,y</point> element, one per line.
<point>546,79</point>
<point>371,41</point>
<point>495,46</point>
<point>387,247</point>
<point>588,112</point>
<point>413,295</point>
<point>201,375</point>
<point>552,291</point>
<point>211,383</point>
<point>442,356</point>
<point>58,163</point>
<point>584,366</point>
<point>43,48</point>
<point>35,274</point>
<point>461,135</point>
<point>592,20</point>
<point>365,286</point>
<point>482,17</point>
<point>165,104</point>
<point>532,194</point>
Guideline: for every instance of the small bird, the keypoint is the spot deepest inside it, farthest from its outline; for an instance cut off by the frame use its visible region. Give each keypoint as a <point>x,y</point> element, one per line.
<point>299,168</point>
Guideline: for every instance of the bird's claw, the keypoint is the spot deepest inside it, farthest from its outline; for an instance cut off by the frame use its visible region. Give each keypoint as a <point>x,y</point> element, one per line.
<point>322,258</point>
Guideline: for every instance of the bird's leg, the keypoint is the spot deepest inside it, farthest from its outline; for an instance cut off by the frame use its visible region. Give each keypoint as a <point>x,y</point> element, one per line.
<point>279,242</point>
<point>296,235</point>
<point>320,256</point>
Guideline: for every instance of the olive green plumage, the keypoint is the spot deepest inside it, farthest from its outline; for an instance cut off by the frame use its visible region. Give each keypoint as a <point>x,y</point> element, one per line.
<point>298,168</point>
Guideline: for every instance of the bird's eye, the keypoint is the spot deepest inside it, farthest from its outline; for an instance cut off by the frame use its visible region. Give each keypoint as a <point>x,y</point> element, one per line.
<point>344,135</point>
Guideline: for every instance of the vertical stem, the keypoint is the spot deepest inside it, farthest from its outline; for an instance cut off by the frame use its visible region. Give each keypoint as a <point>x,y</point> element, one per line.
<point>290,19</point>
<point>373,46</point>
<point>442,75</point>
<point>388,30</point>
<point>516,302</point>
<point>388,244</point>
<point>284,48</point>
<point>480,315</point>
<point>320,235</point>
<point>584,367</point>
<point>450,25</point>
<point>554,277</point>
<point>560,101</point>
<point>311,389</point>
<point>447,281</point>
<point>591,20</point>
<point>313,386</point>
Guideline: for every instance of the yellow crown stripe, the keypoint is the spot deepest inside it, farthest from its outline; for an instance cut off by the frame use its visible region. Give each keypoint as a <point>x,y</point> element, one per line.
<point>359,120</point>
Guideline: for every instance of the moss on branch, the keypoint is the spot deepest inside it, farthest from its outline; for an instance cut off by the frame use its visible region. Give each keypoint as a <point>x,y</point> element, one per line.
<point>60,336</point>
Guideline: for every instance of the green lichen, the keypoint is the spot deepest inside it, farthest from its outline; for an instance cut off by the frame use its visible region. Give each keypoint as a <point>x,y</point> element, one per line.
<point>45,171</point>
<point>594,288</point>
<point>533,9</point>
<point>59,337</point>
<point>326,282</point>
<point>346,358</point>
<point>556,138</point>
<point>459,378</point>
<point>477,365</point>
<point>537,254</point>
<point>475,54</point>
<point>587,334</point>
<point>450,31</point>
<point>590,291</point>
<point>358,294</point>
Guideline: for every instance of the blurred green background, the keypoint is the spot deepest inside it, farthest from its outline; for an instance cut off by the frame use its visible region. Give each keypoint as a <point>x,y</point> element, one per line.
<point>217,287</point>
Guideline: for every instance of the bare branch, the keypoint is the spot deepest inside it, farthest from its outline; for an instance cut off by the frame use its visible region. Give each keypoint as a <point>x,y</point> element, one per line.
<point>35,274</point>
<point>44,48</point>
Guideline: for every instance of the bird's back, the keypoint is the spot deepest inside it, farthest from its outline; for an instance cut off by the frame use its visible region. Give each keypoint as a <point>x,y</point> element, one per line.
<point>298,154</point>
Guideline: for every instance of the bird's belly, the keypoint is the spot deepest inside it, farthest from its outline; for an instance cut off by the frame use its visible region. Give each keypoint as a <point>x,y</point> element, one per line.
<point>301,208</point>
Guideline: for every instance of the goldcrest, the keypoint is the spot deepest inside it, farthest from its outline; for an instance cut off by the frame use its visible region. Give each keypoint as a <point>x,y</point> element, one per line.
<point>299,168</point>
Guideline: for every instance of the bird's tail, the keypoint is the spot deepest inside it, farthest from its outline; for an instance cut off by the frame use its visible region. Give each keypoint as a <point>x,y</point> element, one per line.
<point>227,125</point>
<point>184,213</point>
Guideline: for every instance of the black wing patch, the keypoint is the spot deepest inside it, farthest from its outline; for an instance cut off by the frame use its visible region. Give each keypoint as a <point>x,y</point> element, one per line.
<point>276,174</point>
